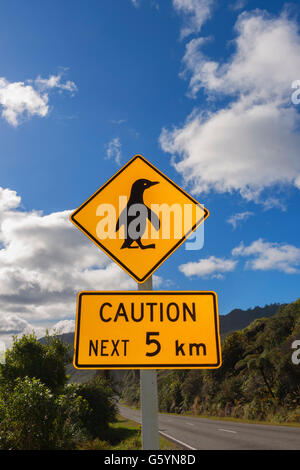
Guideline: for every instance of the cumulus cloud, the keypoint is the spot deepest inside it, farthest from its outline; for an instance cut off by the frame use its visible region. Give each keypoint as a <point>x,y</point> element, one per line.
<point>63,326</point>
<point>253,70</point>
<point>20,100</point>
<point>44,262</point>
<point>260,255</point>
<point>8,199</point>
<point>195,14</point>
<point>211,267</point>
<point>252,143</point>
<point>270,256</point>
<point>12,324</point>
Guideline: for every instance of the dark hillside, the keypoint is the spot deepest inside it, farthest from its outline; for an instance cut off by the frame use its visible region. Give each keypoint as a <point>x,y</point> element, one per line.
<point>238,319</point>
<point>257,380</point>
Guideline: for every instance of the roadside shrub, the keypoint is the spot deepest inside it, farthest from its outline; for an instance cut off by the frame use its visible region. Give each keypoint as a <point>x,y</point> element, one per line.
<point>28,357</point>
<point>99,395</point>
<point>38,410</point>
<point>72,410</point>
<point>27,416</point>
<point>32,418</point>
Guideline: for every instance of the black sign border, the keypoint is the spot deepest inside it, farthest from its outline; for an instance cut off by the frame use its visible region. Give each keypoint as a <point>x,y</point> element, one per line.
<point>147,366</point>
<point>108,252</point>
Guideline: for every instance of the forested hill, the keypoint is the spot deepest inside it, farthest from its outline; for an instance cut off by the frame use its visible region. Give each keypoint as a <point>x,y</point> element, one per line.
<point>257,380</point>
<point>238,319</point>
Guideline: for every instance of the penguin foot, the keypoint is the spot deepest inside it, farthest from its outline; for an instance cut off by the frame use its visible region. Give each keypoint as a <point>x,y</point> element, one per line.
<point>144,247</point>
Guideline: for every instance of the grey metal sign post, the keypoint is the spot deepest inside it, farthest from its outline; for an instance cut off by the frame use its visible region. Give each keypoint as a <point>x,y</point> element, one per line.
<point>149,399</point>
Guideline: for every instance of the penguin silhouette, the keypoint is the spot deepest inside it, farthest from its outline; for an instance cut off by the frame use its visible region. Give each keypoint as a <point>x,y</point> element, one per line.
<point>134,231</point>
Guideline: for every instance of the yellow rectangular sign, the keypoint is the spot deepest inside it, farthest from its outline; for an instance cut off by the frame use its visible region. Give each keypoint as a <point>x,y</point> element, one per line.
<point>147,330</point>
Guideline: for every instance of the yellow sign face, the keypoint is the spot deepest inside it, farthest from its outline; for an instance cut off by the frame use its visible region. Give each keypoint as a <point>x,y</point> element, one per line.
<point>139,217</point>
<point>147,329</point>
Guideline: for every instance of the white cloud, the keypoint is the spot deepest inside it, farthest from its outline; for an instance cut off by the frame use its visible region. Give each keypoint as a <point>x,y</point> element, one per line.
<point>253,70</point>
<point>20,100</point>
<point>239,217</point>
<point>54,81</point>
<point>211,267</point>
<point>270,256</point>
<point>114,150</point>
<point>238,5</point>
<point>135,3</point>
<point>252,143</point>
<point>195,14</point>
<point>63,326</point>
<point>8,199</point>
<point>12,324</point>
<point>261,256</point>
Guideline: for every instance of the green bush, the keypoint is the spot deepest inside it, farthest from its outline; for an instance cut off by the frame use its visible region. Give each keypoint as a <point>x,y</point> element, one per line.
<point>72,410</point>
<point>27,416</point>
<point>99,395</point>
<point>28,357</point>
<point>32,418</point>
<point>38,410</point>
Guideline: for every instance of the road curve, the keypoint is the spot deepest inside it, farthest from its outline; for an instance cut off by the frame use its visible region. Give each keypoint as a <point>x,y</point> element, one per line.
<point>210,434</point>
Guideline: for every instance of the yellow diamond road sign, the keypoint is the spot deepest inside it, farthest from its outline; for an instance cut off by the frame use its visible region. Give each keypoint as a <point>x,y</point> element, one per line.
<point>147,329</point>
<point>139,217</point>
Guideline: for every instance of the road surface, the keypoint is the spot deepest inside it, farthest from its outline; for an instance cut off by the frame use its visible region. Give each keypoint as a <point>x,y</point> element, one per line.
<point>209,434</point>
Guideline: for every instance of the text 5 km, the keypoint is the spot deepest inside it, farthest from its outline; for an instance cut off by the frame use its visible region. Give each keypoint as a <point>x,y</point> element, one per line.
<point>110,347</point>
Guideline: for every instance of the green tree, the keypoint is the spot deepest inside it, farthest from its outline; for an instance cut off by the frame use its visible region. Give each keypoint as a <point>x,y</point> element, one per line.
<point>263,365</point>
<point>32,418</point>
<point>27,415</point>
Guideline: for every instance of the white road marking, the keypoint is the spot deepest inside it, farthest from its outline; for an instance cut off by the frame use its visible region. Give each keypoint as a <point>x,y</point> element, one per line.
<point>227,430</point>
<point>176,440</point>
<point>190,424</point>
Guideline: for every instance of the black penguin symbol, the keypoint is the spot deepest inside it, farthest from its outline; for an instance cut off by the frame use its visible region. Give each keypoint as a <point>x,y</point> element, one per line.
<point>129,214</point>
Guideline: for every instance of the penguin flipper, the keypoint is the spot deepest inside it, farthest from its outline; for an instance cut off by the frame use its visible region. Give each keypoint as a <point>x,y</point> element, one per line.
<point>121,221</point>
<point>154,219</point>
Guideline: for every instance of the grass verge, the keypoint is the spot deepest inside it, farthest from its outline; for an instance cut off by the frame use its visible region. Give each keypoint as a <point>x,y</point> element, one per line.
<point>124,434</point>
<point>189,414</point>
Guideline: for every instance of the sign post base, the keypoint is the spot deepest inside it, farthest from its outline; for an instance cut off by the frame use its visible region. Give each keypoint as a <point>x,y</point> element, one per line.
<point>149,399</point>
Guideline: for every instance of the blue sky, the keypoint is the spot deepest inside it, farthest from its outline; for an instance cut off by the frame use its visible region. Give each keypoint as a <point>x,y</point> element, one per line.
<point>202,89</point>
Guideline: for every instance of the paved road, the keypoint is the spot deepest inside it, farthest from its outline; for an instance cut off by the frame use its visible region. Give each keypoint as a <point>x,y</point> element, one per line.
<point>210,434</point>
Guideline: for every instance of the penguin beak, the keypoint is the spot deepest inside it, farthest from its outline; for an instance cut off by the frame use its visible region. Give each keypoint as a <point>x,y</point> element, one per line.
<point>152,183</point>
